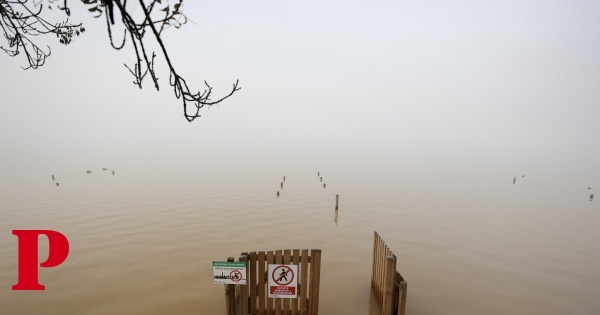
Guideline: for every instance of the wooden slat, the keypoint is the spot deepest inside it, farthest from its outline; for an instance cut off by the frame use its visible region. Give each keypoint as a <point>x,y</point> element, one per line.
<point>296,261</point>
<point>278,260</point>
<point>304,282</point>
<point>261,284</point>
<point>403,293</point>
<point>230,294</point>
<point>388,282</point>
<point>382,269</point>
<point>270,260</point>
<point>315,281</point>
<point>252,283</point>
<point>378,268</point>
<point>374,306</point>
<point>243,288</point>
<point>287,259</point>
<point>236,292</point>
<point>389,277</point>
<point>396,295</point>
<point>374,267</point>
<point>381,254</point>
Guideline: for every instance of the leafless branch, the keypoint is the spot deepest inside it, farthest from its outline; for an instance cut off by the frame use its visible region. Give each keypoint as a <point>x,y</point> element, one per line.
<point>20,21</point>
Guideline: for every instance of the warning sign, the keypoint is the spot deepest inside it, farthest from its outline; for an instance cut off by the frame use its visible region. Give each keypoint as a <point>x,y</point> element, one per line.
<point>229,272</point>
<point>283,281</point>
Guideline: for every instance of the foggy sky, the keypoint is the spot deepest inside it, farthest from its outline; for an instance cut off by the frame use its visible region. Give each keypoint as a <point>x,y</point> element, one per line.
<point>323,81</point>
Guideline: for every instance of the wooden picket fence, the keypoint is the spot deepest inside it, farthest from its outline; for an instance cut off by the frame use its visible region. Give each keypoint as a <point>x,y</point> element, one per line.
<point>389,287</point>
<point>252,298</point>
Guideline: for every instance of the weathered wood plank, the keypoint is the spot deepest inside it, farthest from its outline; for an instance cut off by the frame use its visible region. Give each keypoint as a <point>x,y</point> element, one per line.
<point>262,308</point>
<point>252,283</point>
<point>374,266</point>
<point>278,260</point>
<point>287,259</point>
<point>388,283</point>
<point>304,282</point>
<point>230,294</point>
<point>315,281</point>
<point>296,261</point>
<point>270,305</point>
<point>243,288</point>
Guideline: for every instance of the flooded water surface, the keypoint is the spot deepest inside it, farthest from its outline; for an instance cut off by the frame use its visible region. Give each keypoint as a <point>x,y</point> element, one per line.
<point>468,242</point>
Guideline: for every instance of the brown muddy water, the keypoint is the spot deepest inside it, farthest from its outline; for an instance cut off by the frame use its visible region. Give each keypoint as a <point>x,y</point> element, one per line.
<point>142,241</point>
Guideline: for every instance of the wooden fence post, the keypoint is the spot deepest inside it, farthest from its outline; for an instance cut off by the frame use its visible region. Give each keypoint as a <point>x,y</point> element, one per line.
<point>253,283</point>
<point>315,281</point>
<point>304,282</point>
<point>243,288</point>
<point>403,291</point>
<point>375,262</point>
<point>261,283</point>
<point>277,301</point>
<point>388,285</point>
<point>296,261</point>
<point>230,294</point>
<point>287,259</point>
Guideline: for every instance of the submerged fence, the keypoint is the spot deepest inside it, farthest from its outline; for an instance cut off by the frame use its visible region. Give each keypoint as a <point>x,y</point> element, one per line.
<point>389,287</point>
<point>252,298</point>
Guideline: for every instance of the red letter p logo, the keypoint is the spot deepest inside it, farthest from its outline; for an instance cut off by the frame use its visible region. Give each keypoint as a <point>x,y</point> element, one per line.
<point>58,249</point>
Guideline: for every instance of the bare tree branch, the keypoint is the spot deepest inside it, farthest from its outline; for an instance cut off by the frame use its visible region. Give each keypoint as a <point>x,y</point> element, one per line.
<point>20,21</point>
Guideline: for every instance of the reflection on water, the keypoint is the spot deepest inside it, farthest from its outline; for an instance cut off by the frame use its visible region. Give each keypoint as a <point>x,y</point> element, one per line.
<point>143,243</point>
<point>335,218</point>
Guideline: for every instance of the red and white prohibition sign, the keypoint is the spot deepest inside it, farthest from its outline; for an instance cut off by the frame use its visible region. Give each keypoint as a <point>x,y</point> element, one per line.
<point>283,275</point>
<point>235,275</point>
<point>283,281</point>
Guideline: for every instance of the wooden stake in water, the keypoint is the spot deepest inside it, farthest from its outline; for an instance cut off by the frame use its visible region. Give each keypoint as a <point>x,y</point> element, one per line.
<point>318,174</point>
<point>281,185</point>
<point>284,179</point>
<point>321,179</point>
<point>514,180</point>
<point>337,201</point>
<point>324,185</point>
<point>52,177</point>
<point>57,184</point>
<point>113,172</point>
<point>278,194</point>
<point>591,197</point>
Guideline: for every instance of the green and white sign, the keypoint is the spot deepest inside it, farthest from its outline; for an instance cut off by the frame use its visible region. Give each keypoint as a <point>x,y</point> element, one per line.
<point>225,272</point>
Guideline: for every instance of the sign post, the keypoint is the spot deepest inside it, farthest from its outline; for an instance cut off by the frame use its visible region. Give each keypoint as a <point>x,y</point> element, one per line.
<point>283,281</point>
<point>229,272</point>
